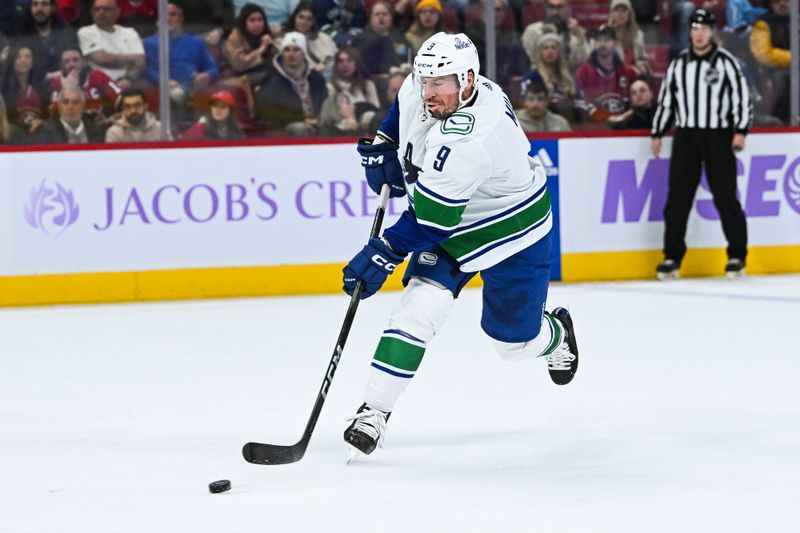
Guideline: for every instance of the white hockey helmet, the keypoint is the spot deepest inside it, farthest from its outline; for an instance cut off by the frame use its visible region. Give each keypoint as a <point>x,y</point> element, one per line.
<point>445,54</point>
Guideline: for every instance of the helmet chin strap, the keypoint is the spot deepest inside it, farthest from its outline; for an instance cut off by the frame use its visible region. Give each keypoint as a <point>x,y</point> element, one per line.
<point>461,100</point>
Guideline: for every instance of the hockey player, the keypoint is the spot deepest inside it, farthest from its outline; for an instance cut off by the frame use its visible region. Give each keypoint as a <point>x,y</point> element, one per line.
<point>477,203</point>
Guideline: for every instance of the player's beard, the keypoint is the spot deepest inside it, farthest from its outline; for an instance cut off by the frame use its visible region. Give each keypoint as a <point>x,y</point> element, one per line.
<point>443,110</point>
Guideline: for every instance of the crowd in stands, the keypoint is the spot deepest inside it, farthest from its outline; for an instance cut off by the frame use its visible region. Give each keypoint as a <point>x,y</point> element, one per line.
<point>76,71</point>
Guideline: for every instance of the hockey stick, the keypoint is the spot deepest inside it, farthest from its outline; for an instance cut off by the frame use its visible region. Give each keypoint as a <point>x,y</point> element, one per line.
<point>274,454</point>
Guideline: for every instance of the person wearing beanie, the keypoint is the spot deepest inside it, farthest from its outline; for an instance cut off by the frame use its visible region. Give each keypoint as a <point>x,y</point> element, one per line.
<point>321,47</point>
<point>291,98</point>
<point>575,45</point>
<point>219,123</point>
<point>428,21</point>
<point>630,39</point>
<point>550,66</point>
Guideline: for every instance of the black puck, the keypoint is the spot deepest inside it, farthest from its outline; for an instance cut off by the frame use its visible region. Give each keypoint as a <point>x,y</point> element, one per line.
<point>219,486</point>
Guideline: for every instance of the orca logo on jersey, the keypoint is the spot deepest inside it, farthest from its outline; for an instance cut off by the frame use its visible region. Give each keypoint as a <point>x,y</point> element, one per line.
<point>371,161</point>
<point>383,263</point>
<point>460,123</point>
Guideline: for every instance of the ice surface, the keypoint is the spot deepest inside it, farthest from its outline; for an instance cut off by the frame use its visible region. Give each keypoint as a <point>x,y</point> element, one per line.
<point>684,417</point>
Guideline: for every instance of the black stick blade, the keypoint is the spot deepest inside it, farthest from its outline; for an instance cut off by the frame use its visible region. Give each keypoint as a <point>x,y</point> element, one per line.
<point>272,454</point>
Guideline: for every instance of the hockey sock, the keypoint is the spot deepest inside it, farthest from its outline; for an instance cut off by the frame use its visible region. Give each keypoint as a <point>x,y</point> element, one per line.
<point>416,318</point>
<point>550,336</point>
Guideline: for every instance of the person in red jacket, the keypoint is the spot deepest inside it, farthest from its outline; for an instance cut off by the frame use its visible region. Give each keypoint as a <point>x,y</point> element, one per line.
<point>604,79</point>
<point>219,123</point>
<point>100,91</point>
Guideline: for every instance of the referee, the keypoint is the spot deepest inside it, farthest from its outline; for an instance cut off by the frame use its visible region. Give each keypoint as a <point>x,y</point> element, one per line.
<point>705,94</point>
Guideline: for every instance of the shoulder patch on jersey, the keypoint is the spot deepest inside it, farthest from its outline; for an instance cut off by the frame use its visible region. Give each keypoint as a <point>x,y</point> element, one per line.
<point>460,123</point>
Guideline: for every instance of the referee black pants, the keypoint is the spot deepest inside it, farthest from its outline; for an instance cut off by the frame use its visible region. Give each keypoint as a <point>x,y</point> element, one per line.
<point>690,149</point>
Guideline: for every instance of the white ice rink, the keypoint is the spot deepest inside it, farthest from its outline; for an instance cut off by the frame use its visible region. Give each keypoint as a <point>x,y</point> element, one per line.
<point>684,417</point>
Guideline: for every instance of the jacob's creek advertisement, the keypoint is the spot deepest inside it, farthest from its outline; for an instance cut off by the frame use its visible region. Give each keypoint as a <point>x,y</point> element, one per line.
<point>116,225</point>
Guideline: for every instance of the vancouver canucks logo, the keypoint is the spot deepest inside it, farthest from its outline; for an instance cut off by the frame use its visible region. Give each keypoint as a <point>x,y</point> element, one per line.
<point>460,45</point>
<point>712,76</point>
<point>460,123</point>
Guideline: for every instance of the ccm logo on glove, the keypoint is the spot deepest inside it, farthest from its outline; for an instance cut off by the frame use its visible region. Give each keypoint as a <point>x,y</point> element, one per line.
<point>371,161</point>
<point>383,263</point>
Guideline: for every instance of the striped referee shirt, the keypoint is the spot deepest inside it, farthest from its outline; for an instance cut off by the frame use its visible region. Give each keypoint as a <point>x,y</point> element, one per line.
<point>708,92</point>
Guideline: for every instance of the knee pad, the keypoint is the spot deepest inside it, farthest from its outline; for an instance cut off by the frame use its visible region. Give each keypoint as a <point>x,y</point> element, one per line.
<point>422,309</point>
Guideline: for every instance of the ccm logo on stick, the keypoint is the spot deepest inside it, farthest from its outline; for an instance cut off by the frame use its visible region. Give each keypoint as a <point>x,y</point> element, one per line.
<point>383,263</point>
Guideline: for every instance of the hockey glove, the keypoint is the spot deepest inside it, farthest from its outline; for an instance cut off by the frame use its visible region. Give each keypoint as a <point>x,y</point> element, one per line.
<point>372,265</point>
<point>381,165</point>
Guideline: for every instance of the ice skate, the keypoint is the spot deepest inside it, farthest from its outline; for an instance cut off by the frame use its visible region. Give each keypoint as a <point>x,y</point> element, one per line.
<point>367,430</point>
<point>562,363</point>
<point>734,268</point>
<point>668,269</point>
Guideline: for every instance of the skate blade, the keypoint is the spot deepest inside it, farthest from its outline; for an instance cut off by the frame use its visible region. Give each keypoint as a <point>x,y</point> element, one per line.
<point>735,275</point>
<point>353,456</point>
<point>667,276</point>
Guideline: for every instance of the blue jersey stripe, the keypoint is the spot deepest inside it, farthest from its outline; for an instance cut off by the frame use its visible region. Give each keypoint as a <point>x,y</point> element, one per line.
<point>439,197</point>
<point>505,241</point>
<point>518,207</point>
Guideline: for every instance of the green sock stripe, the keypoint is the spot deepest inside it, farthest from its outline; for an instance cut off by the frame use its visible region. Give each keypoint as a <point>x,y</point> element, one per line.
<point>399,354</point>
<point>558,334</point>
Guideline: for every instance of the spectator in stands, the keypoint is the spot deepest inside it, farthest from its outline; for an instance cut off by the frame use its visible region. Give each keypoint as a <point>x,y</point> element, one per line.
<point>291,98</point>
<point>46,35</point>
<point>192,70</point>
<point>341,19</point>
<point>428,22</point>
<point>113,49</point>
<point>550,66</point>
<point>770,43</point>
<point>381,46</point>
<point>22,87</point>
<point>321,48</point>
<point>99,91</point>
<point>338,116</point>
<point>388,96</point>
<point>352,80</point>
<point>604,79</point>
<point>630,38</point>
<point>575,45</point>
<point>219,123</point>
<point>536,117</point>
<point>510,57</point>
<point>250,48</point>
<point>68,124</point>
<point>278,11</point>
<point>140,15</point>
<point>135,123</point>
<point>10,134</point>
<point>643,109</point>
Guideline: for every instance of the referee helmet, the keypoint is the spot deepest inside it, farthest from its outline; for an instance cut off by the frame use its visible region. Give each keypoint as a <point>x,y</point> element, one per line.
<point>702,16</point>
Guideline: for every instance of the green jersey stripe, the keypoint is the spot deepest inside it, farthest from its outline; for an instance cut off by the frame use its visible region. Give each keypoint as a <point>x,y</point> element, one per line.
<point>399,354</point>
<point>465,243</point>
<point>431,212</point>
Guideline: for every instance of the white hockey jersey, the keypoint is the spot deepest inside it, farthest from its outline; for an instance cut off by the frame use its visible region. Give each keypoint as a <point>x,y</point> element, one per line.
<point>474,179</point>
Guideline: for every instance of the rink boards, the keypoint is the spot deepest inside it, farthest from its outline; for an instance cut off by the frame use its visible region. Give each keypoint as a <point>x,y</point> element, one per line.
<point>154,222</point>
